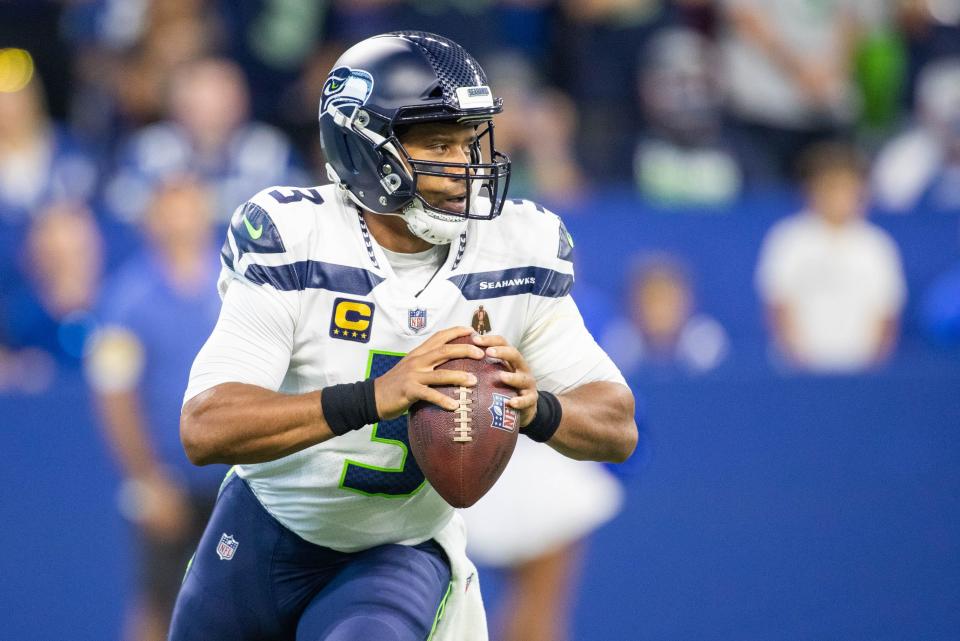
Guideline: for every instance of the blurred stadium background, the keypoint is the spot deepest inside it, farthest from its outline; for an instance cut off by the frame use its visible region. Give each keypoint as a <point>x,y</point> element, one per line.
<point>782,490</point>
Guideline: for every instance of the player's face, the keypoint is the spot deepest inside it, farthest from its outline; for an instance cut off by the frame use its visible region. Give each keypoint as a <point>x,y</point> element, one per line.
<point>447,143</point>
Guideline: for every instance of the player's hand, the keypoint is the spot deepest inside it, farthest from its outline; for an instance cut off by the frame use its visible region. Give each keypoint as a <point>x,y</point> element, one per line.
<point>164,513</point>
<point>411,379</point>
<point>519,377</point>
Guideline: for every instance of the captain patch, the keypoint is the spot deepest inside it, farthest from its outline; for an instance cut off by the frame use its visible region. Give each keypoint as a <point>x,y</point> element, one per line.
<point>352,320</point>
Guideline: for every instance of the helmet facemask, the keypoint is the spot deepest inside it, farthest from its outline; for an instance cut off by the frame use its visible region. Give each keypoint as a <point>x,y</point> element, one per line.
<point>401,174</point>
<point>482,180</point>
<point>488,180</point>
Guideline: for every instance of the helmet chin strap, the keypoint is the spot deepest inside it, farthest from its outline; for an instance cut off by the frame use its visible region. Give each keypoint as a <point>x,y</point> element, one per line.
<point>431,226</point>
<point>436,227</point>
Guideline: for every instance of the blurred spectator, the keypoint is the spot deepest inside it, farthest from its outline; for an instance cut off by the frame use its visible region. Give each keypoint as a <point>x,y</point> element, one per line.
<point>700,15</point>
<point>920,168</point>
<point>157,313</point>
<point>537,132</point>
<point>52,313</point>
<point>483,27</point>
<point>596,64</point>
<point>664,333</point>
<point>39,160</point>
<point>174,33</point>
<point>209,134</point>
<point>940,311</point>
<point>832,282</point>
<point>684,156</point>
<point>126,53</point>
<point>788,72</point>
<point>932,31</point>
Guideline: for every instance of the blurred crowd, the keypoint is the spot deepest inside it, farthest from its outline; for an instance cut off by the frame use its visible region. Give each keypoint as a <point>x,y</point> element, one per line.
<point>131,129</point>
<point>115,113</point>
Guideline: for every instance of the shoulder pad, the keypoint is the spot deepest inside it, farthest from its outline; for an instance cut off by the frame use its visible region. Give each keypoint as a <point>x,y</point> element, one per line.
<point>528,205</point>
<point>547,224</point>
<point>253,230</point>
<point>277,220</point>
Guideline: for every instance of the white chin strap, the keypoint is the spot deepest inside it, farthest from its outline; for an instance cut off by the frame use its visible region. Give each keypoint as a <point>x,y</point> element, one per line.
<point>438,228</point>
<point>432,226</point>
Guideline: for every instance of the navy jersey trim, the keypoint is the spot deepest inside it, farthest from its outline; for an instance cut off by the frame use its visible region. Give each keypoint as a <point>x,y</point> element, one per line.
<point>565,251</point>
<point>226,254</point>
<point>254,231</point>
<point>522,201</point>
<point>314,274</point>
<point>538,281</point>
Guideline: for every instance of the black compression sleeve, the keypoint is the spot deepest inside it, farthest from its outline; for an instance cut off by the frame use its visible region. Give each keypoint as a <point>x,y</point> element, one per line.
<point>547,420</point>
<point>349,406</point>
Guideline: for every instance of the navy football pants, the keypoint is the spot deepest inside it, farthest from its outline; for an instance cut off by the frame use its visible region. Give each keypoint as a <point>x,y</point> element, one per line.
<point>274,586</point>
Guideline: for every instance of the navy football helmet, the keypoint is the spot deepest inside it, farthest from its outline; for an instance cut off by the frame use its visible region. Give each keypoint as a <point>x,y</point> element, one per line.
<point>398,79</point>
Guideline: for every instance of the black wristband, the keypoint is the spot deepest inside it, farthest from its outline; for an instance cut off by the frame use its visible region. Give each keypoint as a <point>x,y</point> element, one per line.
<point>545,423</point>
<point>349,406</point>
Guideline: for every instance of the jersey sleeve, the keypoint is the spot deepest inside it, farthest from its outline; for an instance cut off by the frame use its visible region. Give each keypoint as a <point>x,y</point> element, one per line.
<point>260,284</point>
<point>264,244</point>
<point>560,351</point>
<point>252,341</point>
<point>556,344</point>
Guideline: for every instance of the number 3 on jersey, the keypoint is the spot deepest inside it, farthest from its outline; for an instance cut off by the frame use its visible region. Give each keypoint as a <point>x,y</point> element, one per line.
<point>384,481</point>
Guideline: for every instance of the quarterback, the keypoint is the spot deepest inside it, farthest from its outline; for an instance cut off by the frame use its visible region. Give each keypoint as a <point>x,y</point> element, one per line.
<point>338,304</point>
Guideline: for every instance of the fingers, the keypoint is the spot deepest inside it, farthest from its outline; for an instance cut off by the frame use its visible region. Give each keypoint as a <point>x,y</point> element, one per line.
<point>510,355</point>
<point>524,401</point>
<point>448,377</point>
<point>489,340</point>
<point>446,353</point>
<point>519,380</point>
<point>440,338</point>
<point>431,395</point>
<point>526,385</point>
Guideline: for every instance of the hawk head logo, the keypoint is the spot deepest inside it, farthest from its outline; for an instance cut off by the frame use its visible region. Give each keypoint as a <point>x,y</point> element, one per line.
<point>346,87</point>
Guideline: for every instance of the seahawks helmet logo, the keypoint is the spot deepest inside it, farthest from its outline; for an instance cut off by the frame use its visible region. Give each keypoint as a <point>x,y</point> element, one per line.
<point>346,86</point>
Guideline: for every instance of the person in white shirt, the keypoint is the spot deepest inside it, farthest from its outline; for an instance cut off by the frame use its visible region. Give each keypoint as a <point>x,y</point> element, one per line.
<point>832,283</point>
<point>919,169</point>
<point>338,304</point>
<point>786,66</point>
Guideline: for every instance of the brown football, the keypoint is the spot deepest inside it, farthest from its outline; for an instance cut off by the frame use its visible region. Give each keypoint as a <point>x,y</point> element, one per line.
<point>462,453</point>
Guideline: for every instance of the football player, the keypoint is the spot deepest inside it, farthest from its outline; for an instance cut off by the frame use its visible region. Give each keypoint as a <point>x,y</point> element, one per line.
<point>338,304</point>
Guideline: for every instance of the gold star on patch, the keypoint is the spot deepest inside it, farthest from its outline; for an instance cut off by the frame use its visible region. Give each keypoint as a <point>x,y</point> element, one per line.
<point>363,335</point>
<point>337,332</point>
<point>354,334</point>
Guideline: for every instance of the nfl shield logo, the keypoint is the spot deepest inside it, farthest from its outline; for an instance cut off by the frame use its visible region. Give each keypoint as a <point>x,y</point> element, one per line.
<point>227,547</point>
<point>417,319</point>
<point>504,417</point>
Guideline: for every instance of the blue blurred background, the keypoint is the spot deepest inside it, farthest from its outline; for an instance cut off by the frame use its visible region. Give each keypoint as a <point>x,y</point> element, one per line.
<point>780,491</point>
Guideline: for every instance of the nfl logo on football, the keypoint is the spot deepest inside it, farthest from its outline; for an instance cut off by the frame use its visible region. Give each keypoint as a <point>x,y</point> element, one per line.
<point>417,319</point>
<point>227,547</point>
<point>504,418</point>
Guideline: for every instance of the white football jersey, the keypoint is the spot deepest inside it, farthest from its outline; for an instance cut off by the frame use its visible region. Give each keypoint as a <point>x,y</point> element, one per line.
<point>310,300</point>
